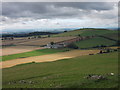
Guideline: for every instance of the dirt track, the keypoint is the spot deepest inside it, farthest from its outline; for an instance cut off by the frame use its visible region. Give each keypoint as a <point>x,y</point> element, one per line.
<point>48,58</point>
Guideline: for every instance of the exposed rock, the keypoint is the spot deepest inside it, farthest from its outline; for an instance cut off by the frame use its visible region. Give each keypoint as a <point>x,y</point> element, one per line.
<point>95,77</point>
<point>112,74</point>
<point>21,82</point>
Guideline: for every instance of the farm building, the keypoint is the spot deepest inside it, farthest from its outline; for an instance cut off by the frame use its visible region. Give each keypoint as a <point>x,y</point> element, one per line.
<point>55,45</point>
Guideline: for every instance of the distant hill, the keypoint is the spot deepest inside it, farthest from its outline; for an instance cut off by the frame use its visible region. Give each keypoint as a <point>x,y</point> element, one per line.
<point>65,32</point>
<point>21,31</point>
<point>86,32</point>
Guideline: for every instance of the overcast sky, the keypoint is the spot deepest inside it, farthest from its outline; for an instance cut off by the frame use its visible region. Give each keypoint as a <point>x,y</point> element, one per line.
<point>35,15</point>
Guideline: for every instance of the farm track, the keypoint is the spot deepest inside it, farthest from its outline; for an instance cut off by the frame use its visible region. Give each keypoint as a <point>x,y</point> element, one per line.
<point>48,58</point>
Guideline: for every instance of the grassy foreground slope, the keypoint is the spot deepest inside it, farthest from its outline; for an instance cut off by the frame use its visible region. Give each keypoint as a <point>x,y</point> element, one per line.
<point>67,73</point>
<point>96,41</point>
<point>86,32</point>
<point>33,53</point>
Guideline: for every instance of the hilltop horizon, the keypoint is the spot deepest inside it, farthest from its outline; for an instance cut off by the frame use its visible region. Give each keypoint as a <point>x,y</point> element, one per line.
<point>11,31</point>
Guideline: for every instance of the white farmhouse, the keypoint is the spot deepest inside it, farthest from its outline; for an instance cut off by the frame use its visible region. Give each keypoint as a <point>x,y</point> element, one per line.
<point>55,46</point>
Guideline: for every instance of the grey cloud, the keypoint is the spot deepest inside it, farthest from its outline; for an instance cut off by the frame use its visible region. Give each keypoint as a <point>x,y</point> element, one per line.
<point>51,9</point>
<point>13,9</point>
<point>87,5</point>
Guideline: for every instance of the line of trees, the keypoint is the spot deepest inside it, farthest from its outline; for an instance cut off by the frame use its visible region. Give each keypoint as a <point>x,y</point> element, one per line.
<point>29,34</point>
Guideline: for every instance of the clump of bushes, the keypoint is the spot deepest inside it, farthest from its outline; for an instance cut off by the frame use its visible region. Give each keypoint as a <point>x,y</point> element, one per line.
<point>72,45</point>
<point>98,46</point>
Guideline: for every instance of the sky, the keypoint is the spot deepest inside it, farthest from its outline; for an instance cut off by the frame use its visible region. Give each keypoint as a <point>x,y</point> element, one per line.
<point>50,15</point>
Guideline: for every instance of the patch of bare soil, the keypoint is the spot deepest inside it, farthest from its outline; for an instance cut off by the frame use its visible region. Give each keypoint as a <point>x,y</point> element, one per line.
<point>18,49</point>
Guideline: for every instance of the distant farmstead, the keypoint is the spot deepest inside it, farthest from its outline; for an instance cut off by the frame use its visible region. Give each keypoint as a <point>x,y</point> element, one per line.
<point>55,45</point>
<point>63,43</point>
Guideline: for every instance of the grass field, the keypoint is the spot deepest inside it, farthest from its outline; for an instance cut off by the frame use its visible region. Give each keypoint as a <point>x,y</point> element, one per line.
<point>114,36</point>
<point>86,32</point>
<point>95,42</point>
<point>68,73</point>
<point>33,53</point>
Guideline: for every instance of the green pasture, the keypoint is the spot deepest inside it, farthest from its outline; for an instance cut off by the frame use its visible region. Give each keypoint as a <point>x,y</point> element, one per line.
<point>96,41</point>
<point>85,32</point>
<point>114,36</point>
<point>66,73</point>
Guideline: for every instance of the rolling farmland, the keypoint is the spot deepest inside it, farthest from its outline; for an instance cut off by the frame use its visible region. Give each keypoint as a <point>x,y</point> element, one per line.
<point>27,65</point>
<point>93,42</point>
<point>35,42</point>
<point>66,73</point>
<point>59,45</point>
<point>48,58</point>
<point>37,52</point>
<point>20,46</point>
<point>86,32</point>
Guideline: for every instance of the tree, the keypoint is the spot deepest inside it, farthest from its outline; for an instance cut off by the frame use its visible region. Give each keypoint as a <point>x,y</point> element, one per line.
<point>12,38</point>
<point>48,35</point>
<point>108,50</point>
<point>103,45</point>
<point>65,31</point>
<point>101,51</point>
<point>52,43</point>
<point>28,37</point>
<point>79,35</point>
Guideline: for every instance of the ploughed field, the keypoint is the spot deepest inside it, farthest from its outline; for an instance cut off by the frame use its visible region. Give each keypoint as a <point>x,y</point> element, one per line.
<point>34,42</point>
<point>65,73</point>
<point>38,52</point>
<point>47,58</point>
<point>18,49</point>
<point>24,45</point>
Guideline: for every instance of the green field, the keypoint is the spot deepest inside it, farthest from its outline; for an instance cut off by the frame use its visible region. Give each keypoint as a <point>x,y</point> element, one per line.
<point>96,41</point>
<point>86,32</point>
<point>33,53</point>
<point>114,36</point>
<point>67,73</point>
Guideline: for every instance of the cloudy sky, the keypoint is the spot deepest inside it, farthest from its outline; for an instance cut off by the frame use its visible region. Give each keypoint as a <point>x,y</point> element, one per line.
<point>36,15</point>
